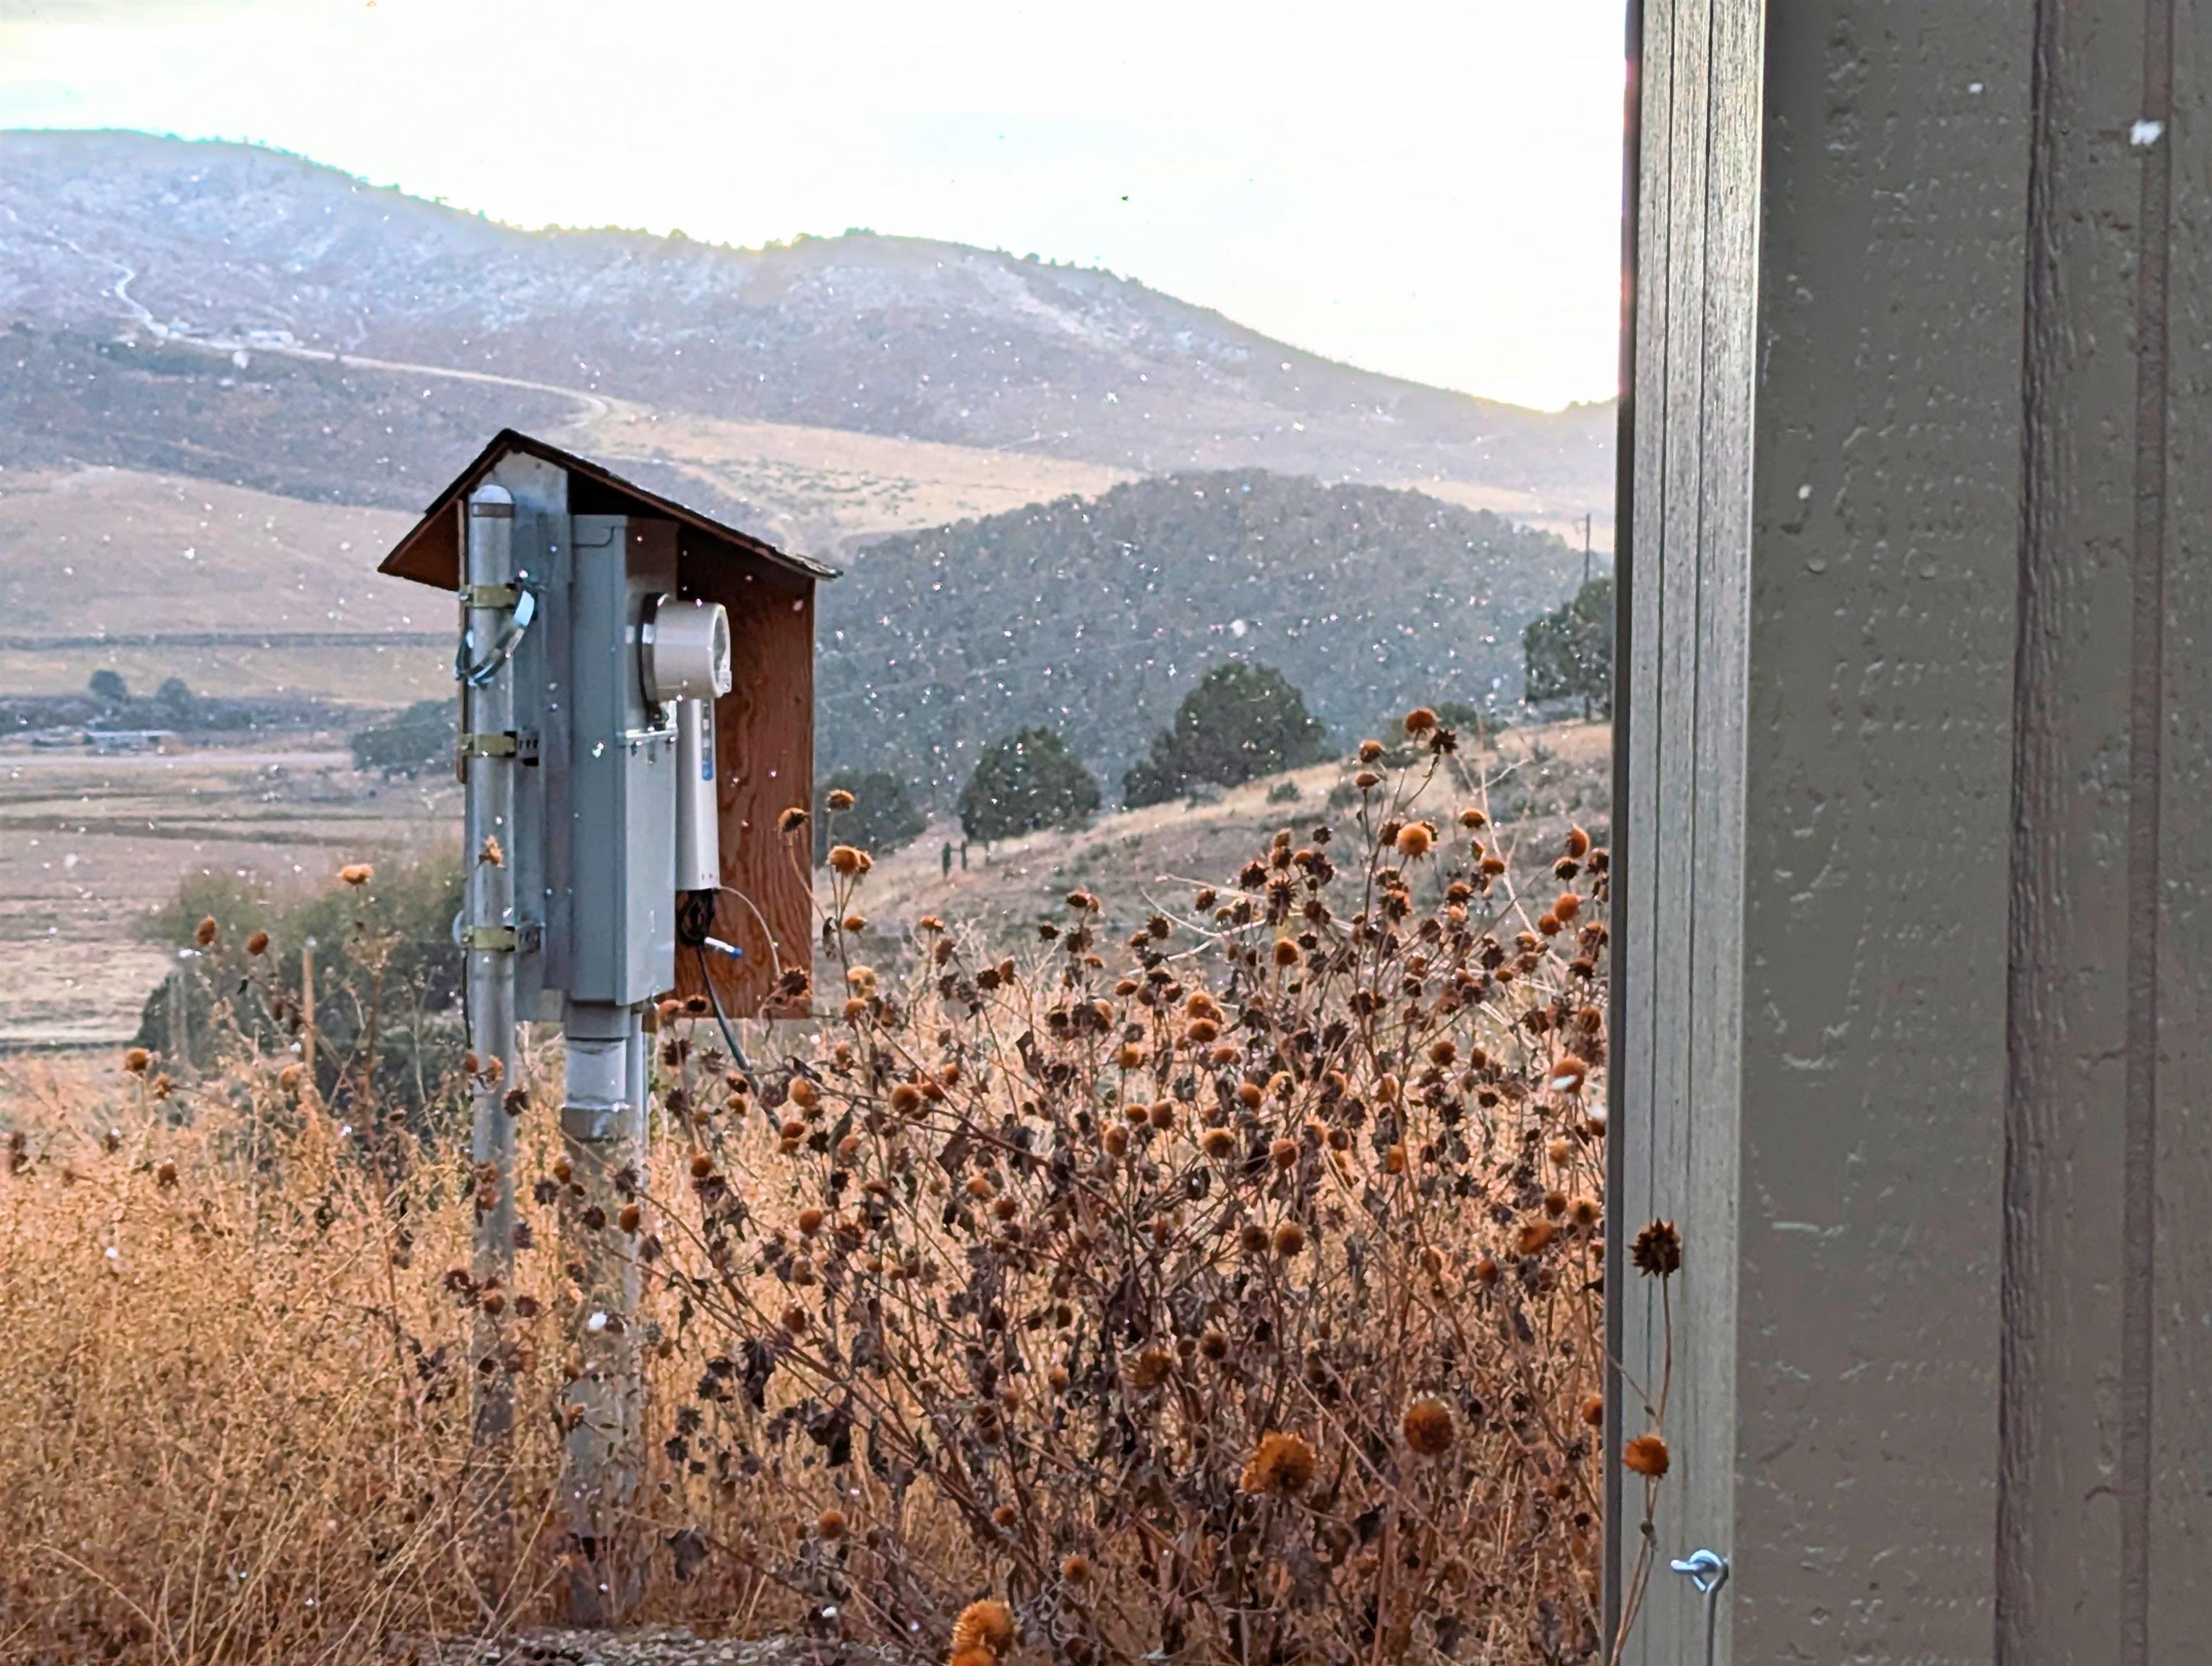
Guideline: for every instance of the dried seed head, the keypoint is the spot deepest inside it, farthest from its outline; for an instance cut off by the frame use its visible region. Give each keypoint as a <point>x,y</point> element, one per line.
<point>137,1061</point>
<point>1646,1455</point>
<point>1281,1463</point>
<point>258,944</point>
<point>1429,1428</point>
<point>205,935</point>
<point>1593,1411</point>
<point>1658,1250</point>
<point>1219,1143</point>
<point>988,1625</point>
<point>1567,907</point>
<point>1290,1239</point>
<point>1414,839</point>
<point>1578,842</point>
<point>1075,1569</point>
<point>1421,720</point>
<point>830,1525</point>
<point>846,860</point>
<point>1533,1237</point>
<point>357,874</point>
<point>839,799</point>
<point>791,820</point>
<point>1284,1152</point>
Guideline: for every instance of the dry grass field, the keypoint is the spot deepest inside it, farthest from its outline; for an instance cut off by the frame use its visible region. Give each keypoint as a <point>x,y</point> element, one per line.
<point>1551,775</point>
<point>90,846</point>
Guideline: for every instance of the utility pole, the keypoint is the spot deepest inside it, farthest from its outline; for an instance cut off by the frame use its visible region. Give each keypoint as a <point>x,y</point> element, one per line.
<point>1586,546</point>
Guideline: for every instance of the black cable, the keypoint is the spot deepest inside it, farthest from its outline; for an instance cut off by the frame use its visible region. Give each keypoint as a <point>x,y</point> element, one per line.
<point>714,1000</point>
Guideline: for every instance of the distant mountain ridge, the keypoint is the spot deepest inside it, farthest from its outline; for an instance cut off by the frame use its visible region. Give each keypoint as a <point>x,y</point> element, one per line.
<point>120,234</point>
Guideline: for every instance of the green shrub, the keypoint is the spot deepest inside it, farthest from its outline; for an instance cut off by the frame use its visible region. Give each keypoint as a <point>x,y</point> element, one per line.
<point>1569,652</point>
<point>421,738</point>
<point>882,818</point>
<point>1240,722</point>
<point>388,978</point>
<point>1028,781</point>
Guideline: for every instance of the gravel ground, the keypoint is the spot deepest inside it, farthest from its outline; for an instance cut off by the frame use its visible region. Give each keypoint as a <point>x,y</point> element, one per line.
<point>655,1646</point>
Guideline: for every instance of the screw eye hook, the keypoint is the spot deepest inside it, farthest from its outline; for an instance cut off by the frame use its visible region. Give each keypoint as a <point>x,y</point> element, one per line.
<point>1706,1570</point>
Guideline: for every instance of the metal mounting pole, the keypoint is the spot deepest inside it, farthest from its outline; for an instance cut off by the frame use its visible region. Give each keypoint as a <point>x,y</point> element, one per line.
<point>603,1133</point>
<point>487,710</point>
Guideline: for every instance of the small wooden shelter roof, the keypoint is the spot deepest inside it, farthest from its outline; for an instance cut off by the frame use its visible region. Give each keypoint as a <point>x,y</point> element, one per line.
<point>430,552</point>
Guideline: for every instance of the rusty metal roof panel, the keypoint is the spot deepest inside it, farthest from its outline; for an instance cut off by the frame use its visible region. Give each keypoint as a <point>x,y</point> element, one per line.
<point>430,552</point>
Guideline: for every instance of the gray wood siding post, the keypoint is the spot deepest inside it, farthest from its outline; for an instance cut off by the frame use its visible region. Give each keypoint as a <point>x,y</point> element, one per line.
<point>2106,1520</point>
<point>1681,820</point>
<point>1914,912</point>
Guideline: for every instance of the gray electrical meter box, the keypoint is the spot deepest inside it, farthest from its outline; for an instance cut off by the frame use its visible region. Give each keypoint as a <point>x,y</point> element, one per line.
<point>625,752</point>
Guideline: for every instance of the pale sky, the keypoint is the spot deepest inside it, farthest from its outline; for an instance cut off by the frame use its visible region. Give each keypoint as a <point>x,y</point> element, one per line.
<point>1426,187</point>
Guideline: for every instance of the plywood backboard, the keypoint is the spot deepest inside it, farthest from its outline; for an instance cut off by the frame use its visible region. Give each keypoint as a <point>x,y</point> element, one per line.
<point>764,753</point>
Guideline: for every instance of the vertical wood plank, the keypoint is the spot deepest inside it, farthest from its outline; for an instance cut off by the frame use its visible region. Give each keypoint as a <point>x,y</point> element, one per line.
<point>1885,539</point>
<point>1632,1313</point>
<point>2062,1595</point>
<point>1721,561</point>
<point>2178,1620</point>
<point>1638,498</point>
<point>1681,944</point>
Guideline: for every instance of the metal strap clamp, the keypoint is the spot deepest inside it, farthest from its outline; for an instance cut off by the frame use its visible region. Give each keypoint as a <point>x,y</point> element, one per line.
<point>490,596</point>
<point>478,672</point>
<point>501,743</point>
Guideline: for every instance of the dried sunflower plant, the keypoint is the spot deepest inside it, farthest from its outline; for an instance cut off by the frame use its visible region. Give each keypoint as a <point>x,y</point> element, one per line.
<point>1231,1292</point>
<point>1224,1289</point>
